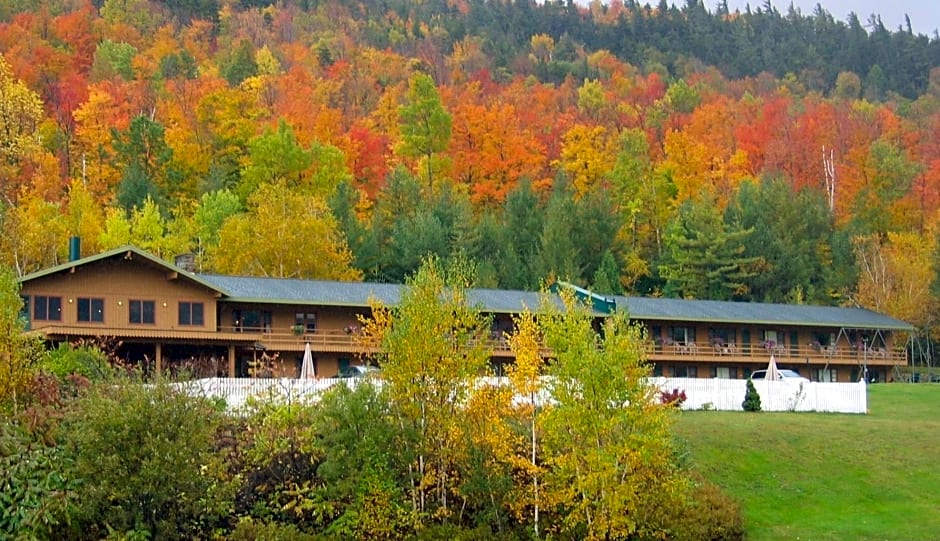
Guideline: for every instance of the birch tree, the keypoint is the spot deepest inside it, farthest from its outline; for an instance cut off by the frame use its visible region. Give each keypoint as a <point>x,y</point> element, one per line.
<point>607,450</point>
<point>433,351</point>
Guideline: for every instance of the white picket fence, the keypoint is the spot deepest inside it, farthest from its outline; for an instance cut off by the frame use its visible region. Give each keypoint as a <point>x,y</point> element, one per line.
<point>713,394</point>
<point>728,394</point>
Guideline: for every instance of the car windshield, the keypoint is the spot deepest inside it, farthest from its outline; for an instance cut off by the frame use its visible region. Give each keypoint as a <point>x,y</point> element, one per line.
<point>782,373</point>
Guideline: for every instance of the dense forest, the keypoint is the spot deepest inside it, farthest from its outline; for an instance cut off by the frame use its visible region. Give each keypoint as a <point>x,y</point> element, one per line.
<point>626,147</point>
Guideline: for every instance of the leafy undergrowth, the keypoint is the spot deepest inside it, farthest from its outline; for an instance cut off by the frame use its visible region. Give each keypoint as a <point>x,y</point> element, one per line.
<point>828,476</point>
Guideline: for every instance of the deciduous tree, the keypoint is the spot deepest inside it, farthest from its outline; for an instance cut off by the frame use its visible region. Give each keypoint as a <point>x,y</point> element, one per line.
<point>283,234</point>
<point>609,462</point>
<point>433,351</point>
<point>19,353</point>
<point>425,126</point>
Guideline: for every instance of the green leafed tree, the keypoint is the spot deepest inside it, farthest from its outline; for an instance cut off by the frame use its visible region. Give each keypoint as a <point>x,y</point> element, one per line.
<point>424,124</point>
<point>114,59</point>
<point>210,213</point>
<point>433,353</point>
<point>274,156</point>
<point>608,455</point>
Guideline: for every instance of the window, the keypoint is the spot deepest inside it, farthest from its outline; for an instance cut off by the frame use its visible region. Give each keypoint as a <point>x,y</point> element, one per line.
<point>91,310</point>
<point>725,372</point>
<point>773,337</point>
<point>141,311</point>
<point>721,336</point>
<point>684,371</point>
<point>191,313</point>
<point>251,320</point>
<point>307,320</point>
<point>47,308</point>
<point>683,335</point>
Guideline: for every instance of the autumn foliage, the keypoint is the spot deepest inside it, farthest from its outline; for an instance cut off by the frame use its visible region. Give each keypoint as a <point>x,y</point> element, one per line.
<point>234,130</point>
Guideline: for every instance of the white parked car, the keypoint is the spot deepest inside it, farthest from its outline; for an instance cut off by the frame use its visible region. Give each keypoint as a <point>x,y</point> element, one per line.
<point>358,371</point>
<point>783,374</point>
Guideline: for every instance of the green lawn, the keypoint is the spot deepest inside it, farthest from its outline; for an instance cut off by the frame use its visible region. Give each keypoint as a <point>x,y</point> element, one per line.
<point>813,476</point>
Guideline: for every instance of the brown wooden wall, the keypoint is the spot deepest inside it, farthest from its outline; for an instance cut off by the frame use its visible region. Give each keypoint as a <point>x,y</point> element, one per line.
<point>118,281</point>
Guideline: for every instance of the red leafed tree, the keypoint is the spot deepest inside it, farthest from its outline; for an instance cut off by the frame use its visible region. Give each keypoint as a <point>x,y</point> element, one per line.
<point>366,155</point>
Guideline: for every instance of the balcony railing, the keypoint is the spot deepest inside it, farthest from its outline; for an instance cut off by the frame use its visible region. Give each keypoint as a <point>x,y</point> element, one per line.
<point>340,341</point>
<point>844,354</point>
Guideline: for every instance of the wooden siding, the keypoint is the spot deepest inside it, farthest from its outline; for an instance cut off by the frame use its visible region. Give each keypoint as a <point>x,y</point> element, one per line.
<point>673,346</point>
<point>116,282</point>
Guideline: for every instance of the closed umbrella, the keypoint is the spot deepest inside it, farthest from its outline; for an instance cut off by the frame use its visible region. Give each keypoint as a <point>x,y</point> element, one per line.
<point>307,370</point>
<point>772,373</point>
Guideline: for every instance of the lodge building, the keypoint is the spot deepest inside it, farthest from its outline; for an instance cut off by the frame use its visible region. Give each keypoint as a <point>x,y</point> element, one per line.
<point>168,317</point>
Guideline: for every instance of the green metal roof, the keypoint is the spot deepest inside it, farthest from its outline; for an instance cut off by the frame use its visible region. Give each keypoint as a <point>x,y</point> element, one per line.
<point>333,293</point>
<point>358,294</point>
<point>291,291</point>
<point>648,308</point>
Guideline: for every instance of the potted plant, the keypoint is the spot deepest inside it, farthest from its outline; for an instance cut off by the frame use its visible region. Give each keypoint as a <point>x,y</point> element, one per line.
<point>298,329</point>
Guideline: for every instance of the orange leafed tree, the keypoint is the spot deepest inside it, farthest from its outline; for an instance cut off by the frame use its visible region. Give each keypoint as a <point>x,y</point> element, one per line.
<point>489,149</point>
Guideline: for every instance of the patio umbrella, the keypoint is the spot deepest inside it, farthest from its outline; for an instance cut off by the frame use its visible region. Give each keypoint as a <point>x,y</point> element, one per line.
<point>772,373</point>
<point>307,371</point>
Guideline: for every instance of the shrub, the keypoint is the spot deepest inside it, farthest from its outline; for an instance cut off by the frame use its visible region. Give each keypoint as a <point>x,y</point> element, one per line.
<point>144,463</point>
<point>673,398</point>
<point>33,491</point>
<point>709,515</point>
<point>250,530</point>
<point>751,398</point>
<point>83,360</point>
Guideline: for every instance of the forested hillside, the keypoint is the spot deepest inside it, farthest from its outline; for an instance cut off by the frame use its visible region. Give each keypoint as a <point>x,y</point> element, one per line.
<point>626,147</point>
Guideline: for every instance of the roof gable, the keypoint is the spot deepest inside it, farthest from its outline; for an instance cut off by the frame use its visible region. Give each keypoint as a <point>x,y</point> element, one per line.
<point>124,252</point>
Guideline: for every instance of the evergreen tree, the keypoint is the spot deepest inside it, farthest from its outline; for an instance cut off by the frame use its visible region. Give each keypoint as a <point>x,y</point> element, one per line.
<point>241,64</point>
<point>704,257</point>
<point>607,277</point>
<point>751,398</point>
<point>146,161</point>
<point>791,240</point>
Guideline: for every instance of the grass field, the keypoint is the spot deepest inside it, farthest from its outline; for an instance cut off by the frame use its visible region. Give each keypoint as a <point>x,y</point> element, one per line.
<point>815,476</point>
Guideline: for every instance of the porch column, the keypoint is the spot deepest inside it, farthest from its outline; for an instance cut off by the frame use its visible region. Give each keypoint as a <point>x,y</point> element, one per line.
<point>158,357</point>
<point>231,361</point>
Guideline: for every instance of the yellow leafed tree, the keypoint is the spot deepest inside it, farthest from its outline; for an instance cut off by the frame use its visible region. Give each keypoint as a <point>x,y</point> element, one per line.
<point>285,235</point>
<point>587,155</point>
<point>895,276</point>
